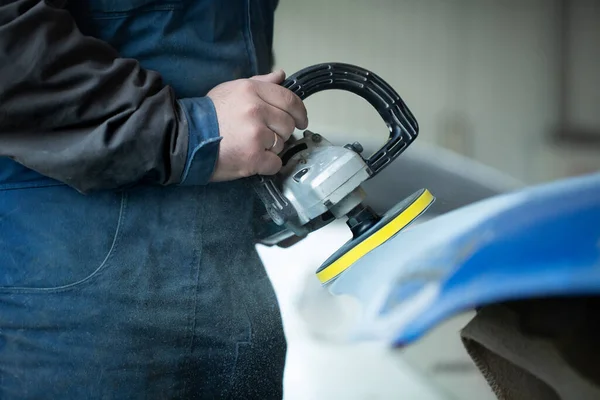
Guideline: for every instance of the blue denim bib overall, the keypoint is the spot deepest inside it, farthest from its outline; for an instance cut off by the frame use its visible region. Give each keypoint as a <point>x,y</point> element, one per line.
<point>151,292</point>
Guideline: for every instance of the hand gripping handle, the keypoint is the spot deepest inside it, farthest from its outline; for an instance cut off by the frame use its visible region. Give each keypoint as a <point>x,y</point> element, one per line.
<point>400,121</point>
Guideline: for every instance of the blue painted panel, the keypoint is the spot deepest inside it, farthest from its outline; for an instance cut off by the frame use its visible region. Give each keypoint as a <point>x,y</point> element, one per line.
<point>540,241</point>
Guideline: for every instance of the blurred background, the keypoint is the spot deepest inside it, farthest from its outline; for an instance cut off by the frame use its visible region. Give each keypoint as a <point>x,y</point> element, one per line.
<point>507,94</point>
<point>513,84</point>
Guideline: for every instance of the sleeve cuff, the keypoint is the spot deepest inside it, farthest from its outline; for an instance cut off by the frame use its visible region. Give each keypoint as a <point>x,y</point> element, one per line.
<point>203,140</point>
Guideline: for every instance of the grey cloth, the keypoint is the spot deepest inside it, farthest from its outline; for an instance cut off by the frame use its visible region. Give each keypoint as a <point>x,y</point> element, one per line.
<point>538,349</point>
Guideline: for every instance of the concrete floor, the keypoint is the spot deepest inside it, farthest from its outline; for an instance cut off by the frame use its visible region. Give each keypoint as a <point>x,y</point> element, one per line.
<point>321,365</point>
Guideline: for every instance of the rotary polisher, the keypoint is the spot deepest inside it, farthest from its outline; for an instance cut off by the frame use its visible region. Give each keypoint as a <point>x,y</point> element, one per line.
<point>320,182</point>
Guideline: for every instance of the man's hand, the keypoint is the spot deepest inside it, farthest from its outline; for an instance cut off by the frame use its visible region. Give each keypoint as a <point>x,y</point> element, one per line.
<point>256,116</point>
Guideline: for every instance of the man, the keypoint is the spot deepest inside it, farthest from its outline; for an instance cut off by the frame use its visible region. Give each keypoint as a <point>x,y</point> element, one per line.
<point>127,260</point>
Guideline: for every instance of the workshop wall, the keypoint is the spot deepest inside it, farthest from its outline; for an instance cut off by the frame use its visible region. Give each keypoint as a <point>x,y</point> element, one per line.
<point>481,76</point>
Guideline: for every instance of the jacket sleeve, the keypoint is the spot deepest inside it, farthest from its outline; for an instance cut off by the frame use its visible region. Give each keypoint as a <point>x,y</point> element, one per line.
<point>73,110</point>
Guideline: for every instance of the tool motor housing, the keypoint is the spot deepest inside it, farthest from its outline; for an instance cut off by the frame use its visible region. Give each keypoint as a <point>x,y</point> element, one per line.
<point>320,181</point>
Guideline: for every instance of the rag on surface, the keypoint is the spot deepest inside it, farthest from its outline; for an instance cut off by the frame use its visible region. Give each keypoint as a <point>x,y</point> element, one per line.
<point>542,349</point>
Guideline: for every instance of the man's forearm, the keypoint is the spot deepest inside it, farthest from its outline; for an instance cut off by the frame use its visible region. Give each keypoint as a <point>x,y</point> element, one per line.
<point>73,110</point>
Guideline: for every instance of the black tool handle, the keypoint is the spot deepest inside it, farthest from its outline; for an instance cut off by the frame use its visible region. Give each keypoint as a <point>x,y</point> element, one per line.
<point>401,123</point>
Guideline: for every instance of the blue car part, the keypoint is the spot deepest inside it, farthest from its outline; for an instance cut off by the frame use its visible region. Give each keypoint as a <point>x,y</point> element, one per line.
<point>540,241</point>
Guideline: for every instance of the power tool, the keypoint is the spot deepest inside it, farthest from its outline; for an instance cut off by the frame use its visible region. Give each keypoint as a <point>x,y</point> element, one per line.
<point>320,182</point>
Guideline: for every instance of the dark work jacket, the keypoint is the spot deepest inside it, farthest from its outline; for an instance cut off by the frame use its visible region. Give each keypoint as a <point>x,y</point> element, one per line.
<point>128,108</point>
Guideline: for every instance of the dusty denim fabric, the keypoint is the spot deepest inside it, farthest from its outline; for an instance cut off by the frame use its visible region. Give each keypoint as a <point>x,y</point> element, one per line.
<point>150,292</point>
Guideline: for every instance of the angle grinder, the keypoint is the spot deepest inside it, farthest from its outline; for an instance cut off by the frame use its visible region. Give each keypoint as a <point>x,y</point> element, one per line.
<point>320,182</point>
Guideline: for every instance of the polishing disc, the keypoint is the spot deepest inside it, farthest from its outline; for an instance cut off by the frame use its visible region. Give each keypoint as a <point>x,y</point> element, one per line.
<point>386,228</point>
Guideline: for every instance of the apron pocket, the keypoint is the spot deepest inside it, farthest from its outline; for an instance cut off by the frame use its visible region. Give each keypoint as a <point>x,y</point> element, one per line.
<point>55,237</point>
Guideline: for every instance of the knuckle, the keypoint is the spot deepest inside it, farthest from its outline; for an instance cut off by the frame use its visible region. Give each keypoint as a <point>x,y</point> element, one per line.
<point>289,98</point>
<point>247,85</point>
<point>254,109</point>
<point>290,125</point>
<point>255,131</point>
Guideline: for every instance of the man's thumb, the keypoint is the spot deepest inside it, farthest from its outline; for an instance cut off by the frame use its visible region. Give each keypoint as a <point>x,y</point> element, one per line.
<point>274,77</point>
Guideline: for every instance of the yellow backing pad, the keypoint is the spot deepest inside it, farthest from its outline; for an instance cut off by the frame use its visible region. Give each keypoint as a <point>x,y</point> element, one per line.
<point>414,210</point>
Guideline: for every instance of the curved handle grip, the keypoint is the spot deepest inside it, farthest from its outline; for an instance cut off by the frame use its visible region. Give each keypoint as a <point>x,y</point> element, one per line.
<point>402,124</point>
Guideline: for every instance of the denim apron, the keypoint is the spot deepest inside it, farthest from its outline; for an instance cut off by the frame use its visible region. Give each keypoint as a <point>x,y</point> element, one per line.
<point>151,292</point>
